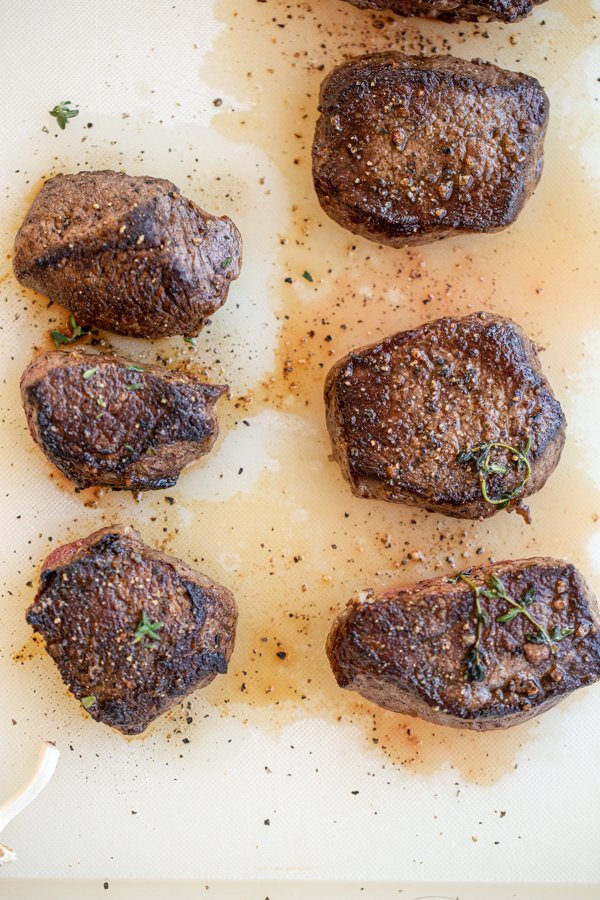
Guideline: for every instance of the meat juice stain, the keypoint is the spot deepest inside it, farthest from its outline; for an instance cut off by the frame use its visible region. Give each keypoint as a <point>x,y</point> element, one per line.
<point>302,544</point>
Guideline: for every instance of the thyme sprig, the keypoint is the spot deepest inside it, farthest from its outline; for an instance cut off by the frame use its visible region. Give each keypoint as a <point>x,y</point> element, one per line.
<point>475,658</point>
<point>496,590</point>
<point>481,458</point>
<point>147,631</point>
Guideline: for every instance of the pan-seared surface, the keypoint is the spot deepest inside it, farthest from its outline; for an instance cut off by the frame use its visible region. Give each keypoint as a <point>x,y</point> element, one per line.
<point>455,10</point>
<point>409,650</point>
<point>92,599</point>
<point>410,149</point>
<point>400,412</point>
<point>127,253</point>
<point>104,421</point>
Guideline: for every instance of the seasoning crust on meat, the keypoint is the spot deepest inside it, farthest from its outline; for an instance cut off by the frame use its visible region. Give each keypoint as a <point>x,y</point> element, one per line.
<point>412,650</point>
<point>401,412</point>
<point>127,253</point>
<point>408,149</point>
<point>102,420</point>
<point>456,10</point>
<point>95,596</point>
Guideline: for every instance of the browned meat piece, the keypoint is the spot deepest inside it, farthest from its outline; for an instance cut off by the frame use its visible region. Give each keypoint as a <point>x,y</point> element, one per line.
<point>127,253</point>
<point>456,10</point>
<point>424,651</point>
<point>410,149</point>
<point>104,421</point>
<point>131,629</point>
<point>455,416</point>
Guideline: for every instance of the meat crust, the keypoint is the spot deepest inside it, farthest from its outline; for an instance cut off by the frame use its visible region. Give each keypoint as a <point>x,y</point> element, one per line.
<point>456,10</point>
<point>406,650</point>
<point>408,149</point>
<point>400,412</point>
<point>127,253</point>
<point>103,421</point>
<point>89,605</point>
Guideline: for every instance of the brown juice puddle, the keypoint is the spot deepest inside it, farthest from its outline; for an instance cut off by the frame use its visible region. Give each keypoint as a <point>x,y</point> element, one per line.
<point>298,545</point>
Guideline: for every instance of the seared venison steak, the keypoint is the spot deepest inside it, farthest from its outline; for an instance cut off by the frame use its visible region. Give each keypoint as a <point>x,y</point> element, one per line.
<point>127,253</point>
<point>455,10</point>
<point>132,630</point>
<point>487,649</point>
<point>455,417</point>
<point>104,421</point>
<point>410,149</point>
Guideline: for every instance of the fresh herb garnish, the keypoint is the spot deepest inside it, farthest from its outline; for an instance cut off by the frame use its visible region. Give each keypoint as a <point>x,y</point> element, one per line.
<point>480,458</point>
<point>307,275</point>
<point>147,631</point>
<point>134,387</point>
<point>190,340</point>
<point>101,402</point>
<point>475,659</point>
<point>226,262</point>
<point>495,589</point>
<point>89,373</point>
<point>129,447</point>
<point>87,702</point>
<point>556,635</point>
<point>133,368</point>
<point>62,113</point>
<point>77,331</point>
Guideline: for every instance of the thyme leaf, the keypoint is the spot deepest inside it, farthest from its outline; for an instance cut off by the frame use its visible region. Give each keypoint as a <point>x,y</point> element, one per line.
<point>308,276</point>
<point>147,631</point>
<point>62,113</point>
<point>89,373</point>
<point>88,702</point>
<point>480,458</point>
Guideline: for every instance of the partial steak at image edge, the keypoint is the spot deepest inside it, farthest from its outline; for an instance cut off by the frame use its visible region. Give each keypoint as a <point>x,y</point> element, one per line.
<point>455,651</point>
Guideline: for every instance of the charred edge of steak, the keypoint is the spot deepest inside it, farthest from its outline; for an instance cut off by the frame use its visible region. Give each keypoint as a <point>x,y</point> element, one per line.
<point>102,421</point>
<point>89,608</point>
<point>408,649</point>
<point>392,443</point>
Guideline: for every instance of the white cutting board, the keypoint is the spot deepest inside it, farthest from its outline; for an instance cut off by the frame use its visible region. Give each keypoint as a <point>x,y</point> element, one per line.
<point>280,774</point>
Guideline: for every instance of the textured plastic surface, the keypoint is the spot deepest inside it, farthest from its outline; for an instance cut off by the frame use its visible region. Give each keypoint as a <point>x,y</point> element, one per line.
<point>278,774</point>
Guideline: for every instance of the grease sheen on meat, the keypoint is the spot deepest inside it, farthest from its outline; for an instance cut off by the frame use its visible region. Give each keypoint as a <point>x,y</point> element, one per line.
<point>400,412</point>
<point>455,10</point>
<point>410,149</point>
<point>405,650</point>
<point>91,599</point>
<point>127,253</point>
<point>103,421</point>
